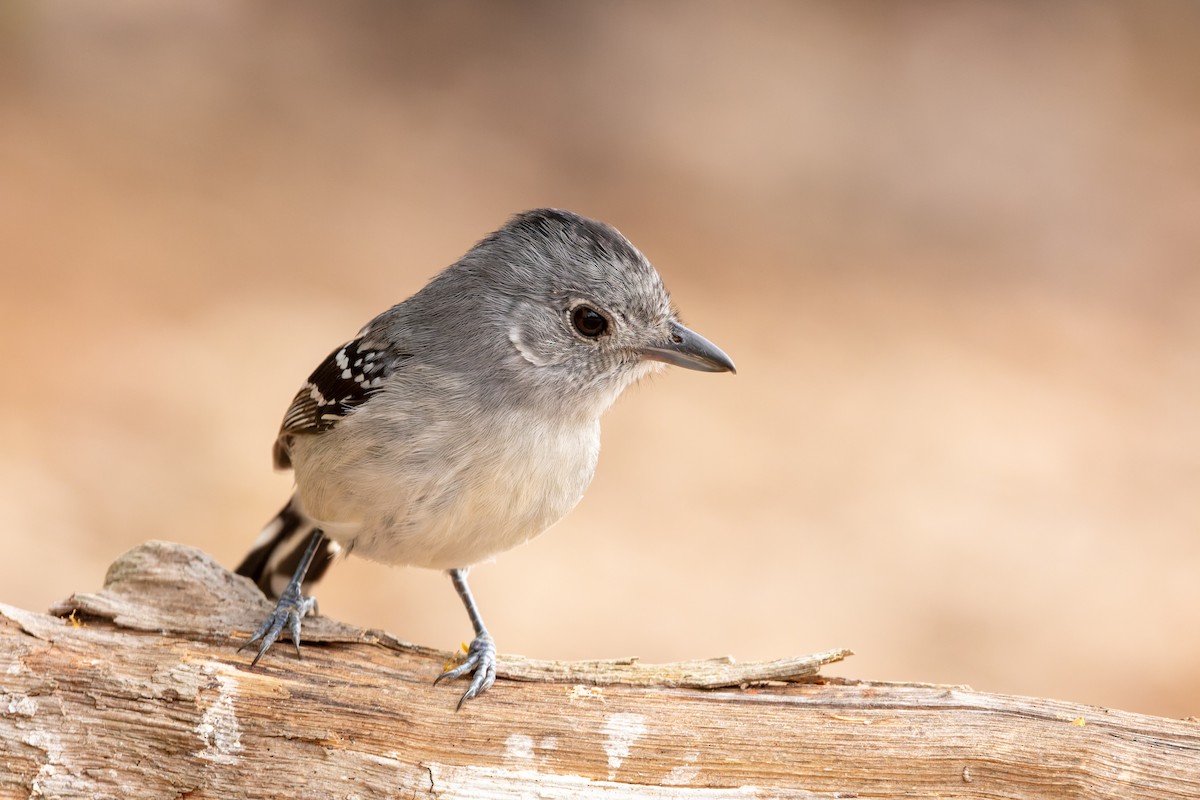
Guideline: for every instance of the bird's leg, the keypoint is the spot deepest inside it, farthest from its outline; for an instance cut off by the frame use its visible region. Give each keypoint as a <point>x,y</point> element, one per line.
<point>481,655</point>
<point>291,608</point>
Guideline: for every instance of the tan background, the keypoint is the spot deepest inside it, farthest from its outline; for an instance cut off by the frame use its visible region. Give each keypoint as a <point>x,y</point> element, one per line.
<point>952,246</point>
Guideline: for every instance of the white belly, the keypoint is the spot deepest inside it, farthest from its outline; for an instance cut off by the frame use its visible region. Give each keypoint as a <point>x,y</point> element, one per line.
<point>447,497</point>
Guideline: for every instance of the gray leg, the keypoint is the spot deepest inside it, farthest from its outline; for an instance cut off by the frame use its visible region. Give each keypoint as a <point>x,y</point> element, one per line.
<point>481,656</point>
<point>291,608</point>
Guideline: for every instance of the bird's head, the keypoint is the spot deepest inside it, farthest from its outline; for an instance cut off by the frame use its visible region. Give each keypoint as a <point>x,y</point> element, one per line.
<point>575,311</point>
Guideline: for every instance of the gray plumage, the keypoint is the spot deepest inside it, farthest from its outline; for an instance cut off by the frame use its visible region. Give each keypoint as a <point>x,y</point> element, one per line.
<point>465,420</point>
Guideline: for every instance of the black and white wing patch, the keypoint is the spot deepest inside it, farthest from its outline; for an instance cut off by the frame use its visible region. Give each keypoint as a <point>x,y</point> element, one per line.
<point>344,381</point>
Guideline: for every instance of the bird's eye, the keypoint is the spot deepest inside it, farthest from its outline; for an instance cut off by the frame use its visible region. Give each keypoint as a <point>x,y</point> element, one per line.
<point>589,322</point>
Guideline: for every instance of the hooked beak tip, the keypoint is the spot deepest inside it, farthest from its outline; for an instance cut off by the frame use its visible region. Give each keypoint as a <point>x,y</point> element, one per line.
<point>688,349</point>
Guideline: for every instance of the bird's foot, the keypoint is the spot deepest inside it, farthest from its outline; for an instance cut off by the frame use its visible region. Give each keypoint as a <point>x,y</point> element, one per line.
<point>291,608</point>
<point>480,662</point>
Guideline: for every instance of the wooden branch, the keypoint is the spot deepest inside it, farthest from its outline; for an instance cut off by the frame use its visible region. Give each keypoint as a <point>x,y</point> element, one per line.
<point>139,693</point>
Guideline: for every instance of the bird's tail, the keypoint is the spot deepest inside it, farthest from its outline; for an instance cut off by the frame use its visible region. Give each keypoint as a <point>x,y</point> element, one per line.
<point>279,548</point>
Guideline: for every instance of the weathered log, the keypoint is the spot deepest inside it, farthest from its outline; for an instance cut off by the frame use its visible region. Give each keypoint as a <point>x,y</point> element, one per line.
<point>137,691</point>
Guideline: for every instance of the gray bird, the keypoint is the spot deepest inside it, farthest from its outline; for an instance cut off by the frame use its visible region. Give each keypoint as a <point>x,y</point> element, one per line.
<point>466,420</point>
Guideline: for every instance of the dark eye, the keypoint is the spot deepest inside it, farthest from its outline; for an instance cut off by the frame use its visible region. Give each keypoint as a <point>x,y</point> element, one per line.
<point>589,322</point>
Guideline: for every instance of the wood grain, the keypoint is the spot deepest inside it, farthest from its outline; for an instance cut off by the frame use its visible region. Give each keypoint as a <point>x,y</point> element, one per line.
<point>137,691</point>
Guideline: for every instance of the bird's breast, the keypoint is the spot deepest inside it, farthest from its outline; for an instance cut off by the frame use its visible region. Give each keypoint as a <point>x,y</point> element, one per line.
<point>452,493</point>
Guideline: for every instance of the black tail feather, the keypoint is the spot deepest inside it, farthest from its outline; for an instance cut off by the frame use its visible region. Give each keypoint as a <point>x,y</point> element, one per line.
<point>279,549</point>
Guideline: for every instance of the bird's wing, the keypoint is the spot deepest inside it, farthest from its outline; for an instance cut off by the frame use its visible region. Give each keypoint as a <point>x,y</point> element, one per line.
<point>342,383</point>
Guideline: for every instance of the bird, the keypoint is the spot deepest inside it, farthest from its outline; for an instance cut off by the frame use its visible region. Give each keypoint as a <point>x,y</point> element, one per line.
<point>465,420</point>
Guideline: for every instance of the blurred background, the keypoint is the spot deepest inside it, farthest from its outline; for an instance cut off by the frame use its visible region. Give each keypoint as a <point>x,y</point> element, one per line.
<point>952,246</point>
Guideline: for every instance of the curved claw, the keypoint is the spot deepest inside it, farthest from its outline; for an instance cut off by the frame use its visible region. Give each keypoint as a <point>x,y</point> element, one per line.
<point>480,662</point>
<point>291,608</point>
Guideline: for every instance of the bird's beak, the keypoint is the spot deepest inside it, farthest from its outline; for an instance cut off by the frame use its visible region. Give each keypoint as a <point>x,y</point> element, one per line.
<point>685,348</point>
